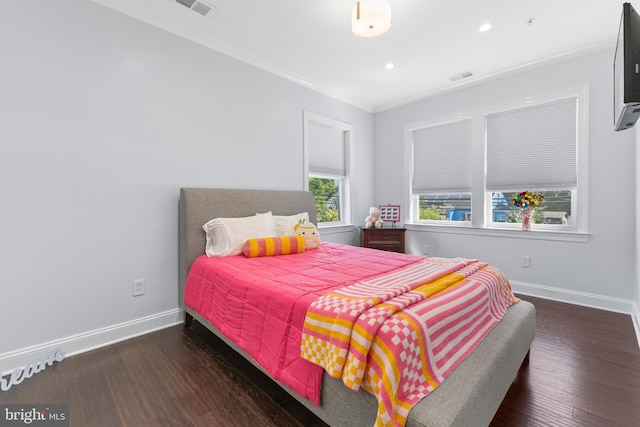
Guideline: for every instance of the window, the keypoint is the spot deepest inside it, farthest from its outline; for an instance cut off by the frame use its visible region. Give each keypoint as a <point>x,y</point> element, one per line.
<point>556,209</point>
<point>464,170</point>
<point>533,148</point>
<point>326,147</point>
<point>327,193</point>
<point>441,178</point>
<point>444,207</point>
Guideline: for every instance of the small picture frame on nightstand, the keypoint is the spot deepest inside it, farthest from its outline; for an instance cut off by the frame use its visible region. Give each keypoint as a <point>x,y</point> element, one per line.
<point>390,213</point>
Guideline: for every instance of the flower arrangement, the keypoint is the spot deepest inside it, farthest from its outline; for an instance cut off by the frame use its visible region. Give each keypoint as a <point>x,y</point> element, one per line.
<point>527,200</point>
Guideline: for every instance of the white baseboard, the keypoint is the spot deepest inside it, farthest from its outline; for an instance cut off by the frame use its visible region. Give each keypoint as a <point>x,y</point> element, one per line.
<point>617,305</point>
<point>91,340</point>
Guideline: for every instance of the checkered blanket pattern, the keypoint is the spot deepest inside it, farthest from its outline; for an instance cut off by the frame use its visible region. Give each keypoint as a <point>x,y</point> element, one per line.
<point>399,335</point>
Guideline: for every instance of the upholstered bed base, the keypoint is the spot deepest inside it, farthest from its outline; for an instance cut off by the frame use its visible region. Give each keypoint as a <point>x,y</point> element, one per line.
<point>470,396</point>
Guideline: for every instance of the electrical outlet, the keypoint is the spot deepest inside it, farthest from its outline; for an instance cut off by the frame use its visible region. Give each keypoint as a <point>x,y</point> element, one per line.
<point>526,261</point>
<point>138,287</point>
<point>425,250</point>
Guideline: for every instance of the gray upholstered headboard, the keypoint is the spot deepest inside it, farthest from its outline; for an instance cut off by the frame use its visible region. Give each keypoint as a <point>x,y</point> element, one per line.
<point>199,205</point>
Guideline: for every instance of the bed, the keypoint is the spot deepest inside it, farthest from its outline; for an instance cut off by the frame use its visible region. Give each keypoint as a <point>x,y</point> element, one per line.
<point>470,395</point>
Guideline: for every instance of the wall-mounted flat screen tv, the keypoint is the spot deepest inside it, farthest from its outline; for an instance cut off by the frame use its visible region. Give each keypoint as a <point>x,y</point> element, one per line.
<point>626,70</point>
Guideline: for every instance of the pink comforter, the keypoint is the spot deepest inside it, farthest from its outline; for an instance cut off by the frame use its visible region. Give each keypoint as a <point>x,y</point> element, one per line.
<point>261,303</point>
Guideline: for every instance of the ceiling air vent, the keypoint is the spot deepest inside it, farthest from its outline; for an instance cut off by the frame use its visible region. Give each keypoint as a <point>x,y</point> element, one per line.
<point>187,3</point>
<point>461,76</point>
<point>197,6</point>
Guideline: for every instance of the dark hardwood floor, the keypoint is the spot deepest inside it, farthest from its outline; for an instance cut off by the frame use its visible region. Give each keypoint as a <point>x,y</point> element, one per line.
<point>584,370</point>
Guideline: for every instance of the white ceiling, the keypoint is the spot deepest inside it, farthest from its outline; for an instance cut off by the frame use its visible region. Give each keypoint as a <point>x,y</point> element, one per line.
<point>310,42</point>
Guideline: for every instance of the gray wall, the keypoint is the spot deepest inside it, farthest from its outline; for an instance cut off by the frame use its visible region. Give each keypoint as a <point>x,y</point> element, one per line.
<point>600,272</point>
<point>102,119</point>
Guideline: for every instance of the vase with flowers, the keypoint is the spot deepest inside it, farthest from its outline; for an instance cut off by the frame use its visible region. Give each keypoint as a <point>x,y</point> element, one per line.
<point>526,202</point>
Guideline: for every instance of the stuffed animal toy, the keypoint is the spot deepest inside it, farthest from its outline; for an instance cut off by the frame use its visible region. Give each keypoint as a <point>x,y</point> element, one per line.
<point>309,233</point>
<point>373,220</point>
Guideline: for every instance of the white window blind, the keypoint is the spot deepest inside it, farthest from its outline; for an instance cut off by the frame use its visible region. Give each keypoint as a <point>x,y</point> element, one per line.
<point>442,158</point>
<point>533,147</point>
<point>326,150</point>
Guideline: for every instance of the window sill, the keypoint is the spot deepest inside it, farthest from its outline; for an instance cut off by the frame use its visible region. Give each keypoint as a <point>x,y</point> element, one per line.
<point>335,229</point>
<point>564,236</point>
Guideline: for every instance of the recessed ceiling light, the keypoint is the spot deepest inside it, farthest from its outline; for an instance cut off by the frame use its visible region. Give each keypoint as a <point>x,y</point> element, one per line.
<point>485,27</point>
<point>389,66</point>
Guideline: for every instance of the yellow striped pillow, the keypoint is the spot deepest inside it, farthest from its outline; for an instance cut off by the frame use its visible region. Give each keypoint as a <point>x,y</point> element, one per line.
<point>270,246</point>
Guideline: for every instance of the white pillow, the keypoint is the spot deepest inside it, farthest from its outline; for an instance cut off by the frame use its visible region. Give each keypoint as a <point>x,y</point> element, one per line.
<point>284,223</point>
<point>226,236</point>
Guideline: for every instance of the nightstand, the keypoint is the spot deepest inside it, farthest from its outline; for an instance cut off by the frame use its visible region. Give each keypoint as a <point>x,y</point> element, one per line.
<point>386,239</point>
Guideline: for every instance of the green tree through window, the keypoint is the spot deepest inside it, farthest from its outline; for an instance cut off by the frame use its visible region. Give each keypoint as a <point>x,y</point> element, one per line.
<point>327,194</point>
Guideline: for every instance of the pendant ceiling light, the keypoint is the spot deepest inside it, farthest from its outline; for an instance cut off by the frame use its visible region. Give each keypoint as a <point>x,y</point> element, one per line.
<point>370,18</point>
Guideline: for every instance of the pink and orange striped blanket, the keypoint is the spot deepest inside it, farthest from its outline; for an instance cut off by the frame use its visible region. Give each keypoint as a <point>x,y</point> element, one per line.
<point>399,335</point>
